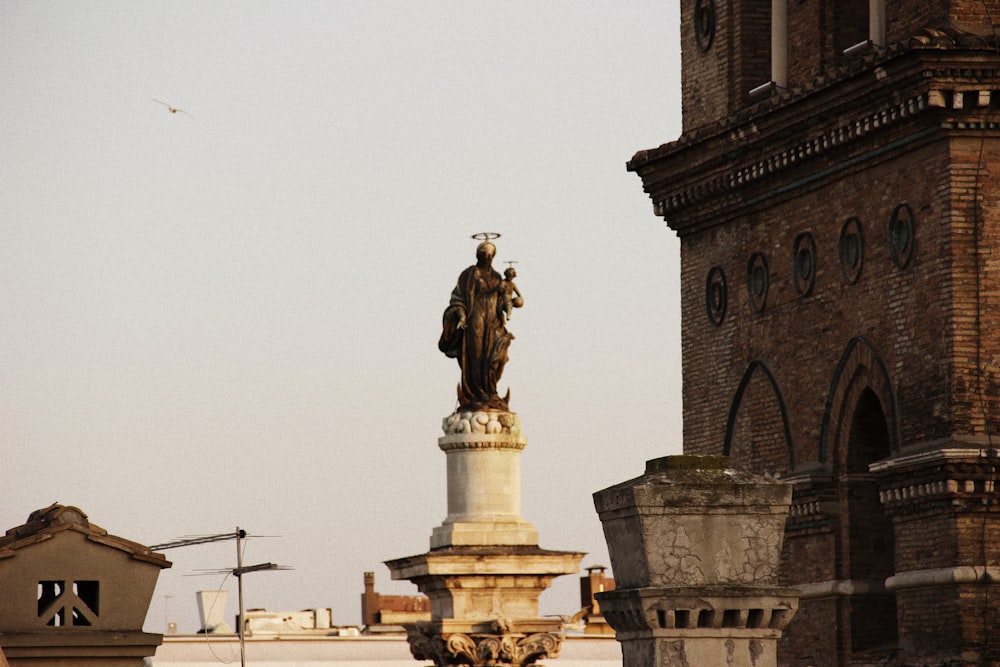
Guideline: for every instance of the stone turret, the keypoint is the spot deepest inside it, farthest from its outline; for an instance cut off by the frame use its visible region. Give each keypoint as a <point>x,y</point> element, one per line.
<point>695,548</point>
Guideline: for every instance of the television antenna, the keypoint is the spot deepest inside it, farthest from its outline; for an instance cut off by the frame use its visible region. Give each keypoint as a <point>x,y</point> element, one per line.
<point>239,535</point>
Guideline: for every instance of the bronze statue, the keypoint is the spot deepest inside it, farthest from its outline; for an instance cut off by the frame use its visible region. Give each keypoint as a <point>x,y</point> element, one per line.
<point>474,329</point>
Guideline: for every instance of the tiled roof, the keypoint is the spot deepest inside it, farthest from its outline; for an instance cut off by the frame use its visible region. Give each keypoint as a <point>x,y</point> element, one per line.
<point>44,523</point>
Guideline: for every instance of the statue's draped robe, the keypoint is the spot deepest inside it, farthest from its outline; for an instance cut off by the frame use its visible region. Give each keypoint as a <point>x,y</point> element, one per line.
<point>481,347</point>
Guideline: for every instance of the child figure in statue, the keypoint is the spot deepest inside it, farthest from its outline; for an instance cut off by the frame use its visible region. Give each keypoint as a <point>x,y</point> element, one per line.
<point>511,295</point>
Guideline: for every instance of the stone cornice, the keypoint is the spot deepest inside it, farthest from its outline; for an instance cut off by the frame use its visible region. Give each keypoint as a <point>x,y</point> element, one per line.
<point>935,457</point>
<point>526,561</point>
<point>955,479</point>
<point>700,610</point>
<point>461,442</point>
<point>896,98</point>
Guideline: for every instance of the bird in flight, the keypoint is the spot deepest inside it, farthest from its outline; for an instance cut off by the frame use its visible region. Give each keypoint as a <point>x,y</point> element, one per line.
<point>171,108</point>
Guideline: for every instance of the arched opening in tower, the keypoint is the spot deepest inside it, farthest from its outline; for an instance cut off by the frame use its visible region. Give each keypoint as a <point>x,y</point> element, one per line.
<point>870,552</point>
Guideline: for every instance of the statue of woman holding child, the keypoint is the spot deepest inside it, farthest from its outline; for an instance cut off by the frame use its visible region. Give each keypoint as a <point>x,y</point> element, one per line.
<point>474,329</point>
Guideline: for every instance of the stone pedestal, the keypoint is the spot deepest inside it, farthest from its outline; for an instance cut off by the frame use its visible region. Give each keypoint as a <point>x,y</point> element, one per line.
<point>483,451</point>
<point>484,571</point>
<point>485,583</point>
<point>695,549</point>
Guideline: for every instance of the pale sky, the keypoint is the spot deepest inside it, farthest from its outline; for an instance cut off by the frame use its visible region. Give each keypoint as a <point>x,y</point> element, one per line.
<point>228,316</point>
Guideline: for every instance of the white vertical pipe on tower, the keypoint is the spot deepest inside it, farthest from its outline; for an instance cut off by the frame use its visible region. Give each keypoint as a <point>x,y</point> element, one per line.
<point>876,22</point>
<point>779,43</point>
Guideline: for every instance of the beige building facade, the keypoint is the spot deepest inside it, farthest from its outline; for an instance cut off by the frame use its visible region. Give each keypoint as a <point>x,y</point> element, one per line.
<point>73,594</point>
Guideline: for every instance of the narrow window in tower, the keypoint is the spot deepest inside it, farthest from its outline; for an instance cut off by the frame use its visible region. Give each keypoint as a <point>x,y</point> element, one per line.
<point>876,30</point>
<point>870,538</point>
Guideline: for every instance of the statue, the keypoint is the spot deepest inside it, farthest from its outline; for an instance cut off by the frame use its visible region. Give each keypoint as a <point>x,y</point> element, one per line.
<point>474,329</point>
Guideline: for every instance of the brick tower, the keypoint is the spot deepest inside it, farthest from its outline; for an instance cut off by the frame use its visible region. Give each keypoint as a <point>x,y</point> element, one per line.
<point>836,191</point>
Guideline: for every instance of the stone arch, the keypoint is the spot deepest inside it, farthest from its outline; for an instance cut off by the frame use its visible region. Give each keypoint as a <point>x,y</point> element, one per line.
<point>860,369</point>
<point>758,414</point>
<point>860,427</point>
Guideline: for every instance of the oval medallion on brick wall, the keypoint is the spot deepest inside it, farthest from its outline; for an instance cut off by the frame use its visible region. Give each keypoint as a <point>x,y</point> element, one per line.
<point>704,23</point>
<point>851,249</point>
<point>715,295</point>
<point>757,281</point>
<point>804,263</point>
<point>902,238</point>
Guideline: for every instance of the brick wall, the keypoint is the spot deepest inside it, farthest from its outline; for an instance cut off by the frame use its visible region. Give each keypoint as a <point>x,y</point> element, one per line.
<point>801,339</point>
<point>716,80</point>
<point>752,48</point>
<point>705,73</point>
<point>808,641</point>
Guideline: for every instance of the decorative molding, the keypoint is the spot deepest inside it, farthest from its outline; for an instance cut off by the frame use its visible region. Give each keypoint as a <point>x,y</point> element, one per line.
<point>935,489</point>
<point>503,648</point>
<point>493,422</point>
<point>704,23</point>
<point>851,250</point>
<point>804,263</point>
<point>754,366</point>
<point>902,235</point>
<point>807,513</point>
<point>940,455</point>
<point>860,366</point>
<point>716,295</point>
<point>449,444</point>
<point>951,36</point>
<point>791,156</point>
<point>926,79</point>
<point>699,609</point>
<point>758,281</point>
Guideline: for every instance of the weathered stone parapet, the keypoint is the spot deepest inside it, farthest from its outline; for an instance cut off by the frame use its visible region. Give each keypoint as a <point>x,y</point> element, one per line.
<point>691,521</point>
<point>518,643</point>
<point>695,548</point>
